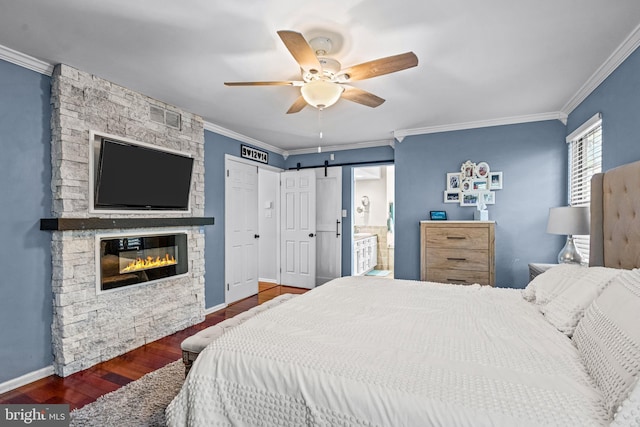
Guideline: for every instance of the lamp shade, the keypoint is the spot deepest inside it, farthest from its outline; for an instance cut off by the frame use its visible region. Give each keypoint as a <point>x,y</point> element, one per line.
<point>321,93</point>
<point>569,220</point>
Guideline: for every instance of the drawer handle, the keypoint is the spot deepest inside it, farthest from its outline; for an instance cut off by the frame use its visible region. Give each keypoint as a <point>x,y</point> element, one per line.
<point>456,259</point>
<point>455,238</point>
<point>456,280</point>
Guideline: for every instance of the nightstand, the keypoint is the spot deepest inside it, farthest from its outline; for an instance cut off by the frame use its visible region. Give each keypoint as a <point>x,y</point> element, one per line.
<point>537,268</point>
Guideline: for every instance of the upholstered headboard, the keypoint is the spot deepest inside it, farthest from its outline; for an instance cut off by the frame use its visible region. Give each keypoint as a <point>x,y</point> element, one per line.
<point>615,218</point>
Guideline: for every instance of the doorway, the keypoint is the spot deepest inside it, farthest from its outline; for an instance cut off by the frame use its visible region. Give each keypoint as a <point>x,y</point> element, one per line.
<point>241,230</point>
<point>255,255</point>
<point>311,254</point>
<point>373,220</point>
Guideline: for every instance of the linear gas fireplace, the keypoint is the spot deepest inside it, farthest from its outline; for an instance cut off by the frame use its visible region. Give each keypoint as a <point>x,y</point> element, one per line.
<point>135,259</point>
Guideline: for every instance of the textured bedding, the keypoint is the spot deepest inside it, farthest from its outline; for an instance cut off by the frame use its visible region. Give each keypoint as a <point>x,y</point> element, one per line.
<point>380,352</point>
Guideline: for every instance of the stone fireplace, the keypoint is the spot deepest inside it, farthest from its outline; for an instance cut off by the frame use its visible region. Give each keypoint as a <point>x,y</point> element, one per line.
<point>92,324</point>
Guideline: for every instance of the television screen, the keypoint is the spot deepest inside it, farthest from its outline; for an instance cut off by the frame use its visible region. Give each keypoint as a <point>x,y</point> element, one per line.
<point>135,177</point>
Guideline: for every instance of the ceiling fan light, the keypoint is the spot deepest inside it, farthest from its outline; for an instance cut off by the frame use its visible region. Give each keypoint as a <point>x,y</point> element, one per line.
<point>321,93</point>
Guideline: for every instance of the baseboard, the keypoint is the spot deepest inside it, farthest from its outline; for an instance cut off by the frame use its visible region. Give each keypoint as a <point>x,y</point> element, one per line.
<point>26,379</point>
<point>274,281</point>
<point>214,308</point>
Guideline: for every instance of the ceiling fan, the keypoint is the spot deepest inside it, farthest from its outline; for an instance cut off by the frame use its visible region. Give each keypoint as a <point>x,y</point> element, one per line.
<point>324,81</point>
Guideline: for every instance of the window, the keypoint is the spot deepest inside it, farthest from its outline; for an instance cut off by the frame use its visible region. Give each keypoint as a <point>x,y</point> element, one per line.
<point>585,160</point>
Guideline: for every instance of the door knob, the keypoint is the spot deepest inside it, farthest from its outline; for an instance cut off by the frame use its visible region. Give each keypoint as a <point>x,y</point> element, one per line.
<point>256,236</point>
<point>311,235</point>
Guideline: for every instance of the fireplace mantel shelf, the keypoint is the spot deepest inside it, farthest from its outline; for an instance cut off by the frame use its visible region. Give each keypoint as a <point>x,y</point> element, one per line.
<point>69,224</point>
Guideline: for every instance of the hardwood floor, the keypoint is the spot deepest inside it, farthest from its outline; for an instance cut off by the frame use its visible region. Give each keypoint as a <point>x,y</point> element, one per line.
<point>86,386</point>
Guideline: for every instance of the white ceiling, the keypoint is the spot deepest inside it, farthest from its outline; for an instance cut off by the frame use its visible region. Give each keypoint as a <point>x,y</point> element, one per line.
<point>485,62</point>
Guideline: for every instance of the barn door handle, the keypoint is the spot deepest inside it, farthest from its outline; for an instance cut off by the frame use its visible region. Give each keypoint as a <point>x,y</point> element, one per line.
<point>337,228</point>
<point>312,235</point>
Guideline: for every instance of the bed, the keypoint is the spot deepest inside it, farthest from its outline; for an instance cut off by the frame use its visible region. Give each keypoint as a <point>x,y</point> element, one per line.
<point>366,351</point>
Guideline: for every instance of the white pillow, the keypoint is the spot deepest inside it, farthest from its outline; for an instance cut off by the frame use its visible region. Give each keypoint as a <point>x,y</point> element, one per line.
<point>549,284</point>
<point>628,414</point>
<point>566,309</point>
<point>608,338</point>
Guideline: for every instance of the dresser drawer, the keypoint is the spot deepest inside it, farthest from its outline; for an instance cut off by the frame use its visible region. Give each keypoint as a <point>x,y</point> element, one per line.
<point>459,237</point>
<point>457,252</point>
<point>461,277</point>
<point>458,259</point>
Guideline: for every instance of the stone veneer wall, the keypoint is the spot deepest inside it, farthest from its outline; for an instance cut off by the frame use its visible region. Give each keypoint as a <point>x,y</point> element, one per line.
<point>90,327</point>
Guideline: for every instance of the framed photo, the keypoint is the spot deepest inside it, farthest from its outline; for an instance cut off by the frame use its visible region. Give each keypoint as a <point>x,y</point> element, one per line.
<point>453,181</point>
<point>489,197</point>
<point>438,215</point>
<point>482,170</point>
<point>451,196</point>
<point>466,185</point>
<point>495,180</point>
<point>468,169</point>
<point>470,198</point>
<point>478,184</point>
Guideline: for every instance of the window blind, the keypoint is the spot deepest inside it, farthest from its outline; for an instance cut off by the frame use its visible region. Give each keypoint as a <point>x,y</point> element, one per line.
<point>585,160</point>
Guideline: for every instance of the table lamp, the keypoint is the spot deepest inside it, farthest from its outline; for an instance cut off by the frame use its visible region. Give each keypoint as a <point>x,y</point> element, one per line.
<point>569,220</point>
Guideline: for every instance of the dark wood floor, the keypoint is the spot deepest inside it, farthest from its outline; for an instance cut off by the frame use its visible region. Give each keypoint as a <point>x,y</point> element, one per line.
<point>85,387</point>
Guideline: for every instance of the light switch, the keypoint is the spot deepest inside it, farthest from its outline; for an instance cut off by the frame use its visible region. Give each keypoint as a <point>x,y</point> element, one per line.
<point>267,205</point>
<point>344,213</point>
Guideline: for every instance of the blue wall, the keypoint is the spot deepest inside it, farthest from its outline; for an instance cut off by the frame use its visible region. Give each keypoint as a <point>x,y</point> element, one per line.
<point>215,147</point>
<point>375,154</point>
<point>25,197</point>
<point>533,159</point>
<point>618,99</point>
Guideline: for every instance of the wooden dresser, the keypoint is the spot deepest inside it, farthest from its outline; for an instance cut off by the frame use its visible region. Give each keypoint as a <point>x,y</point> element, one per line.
<point>461,252</point>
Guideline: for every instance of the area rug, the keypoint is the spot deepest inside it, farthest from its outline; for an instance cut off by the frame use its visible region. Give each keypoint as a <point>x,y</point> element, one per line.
<point>378,273</point>
<point>139,403</point>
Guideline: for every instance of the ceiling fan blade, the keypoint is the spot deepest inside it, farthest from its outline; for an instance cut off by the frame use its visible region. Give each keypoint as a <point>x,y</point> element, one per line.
<point>275,83</point>
<point>301,51</point>
<point>297,106</point>
<point>379,67</point>
<point>361,97</point>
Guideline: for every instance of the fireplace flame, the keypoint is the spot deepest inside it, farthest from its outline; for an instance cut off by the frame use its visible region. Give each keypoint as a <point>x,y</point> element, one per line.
<point>149,262</point>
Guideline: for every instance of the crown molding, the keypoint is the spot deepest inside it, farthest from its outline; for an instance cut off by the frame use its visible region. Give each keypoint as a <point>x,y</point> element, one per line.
<point>242,138</point>
<point>25,61</point>
<point>342,147</point>
<point>622,52</point>
<point>557,115</point>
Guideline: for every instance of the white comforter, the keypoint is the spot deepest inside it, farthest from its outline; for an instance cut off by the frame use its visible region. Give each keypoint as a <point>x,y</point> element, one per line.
<point>380,352</point>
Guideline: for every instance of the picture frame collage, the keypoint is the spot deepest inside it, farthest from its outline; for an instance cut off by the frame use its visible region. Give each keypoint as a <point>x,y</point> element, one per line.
<point>475,182</point>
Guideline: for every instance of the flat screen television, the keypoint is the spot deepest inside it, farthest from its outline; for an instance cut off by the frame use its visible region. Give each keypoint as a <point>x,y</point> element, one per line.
<point>133,177</point>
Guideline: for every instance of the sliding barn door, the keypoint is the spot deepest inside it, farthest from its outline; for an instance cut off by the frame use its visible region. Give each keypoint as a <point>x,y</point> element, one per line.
<point>298,228</point>
<point>328,224</point>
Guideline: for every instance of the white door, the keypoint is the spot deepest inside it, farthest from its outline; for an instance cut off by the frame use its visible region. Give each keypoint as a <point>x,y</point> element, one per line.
<point>328,224</point>
<point>241,231</point>
<point>298,228</point>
